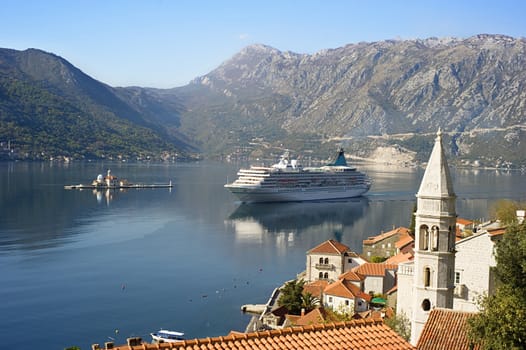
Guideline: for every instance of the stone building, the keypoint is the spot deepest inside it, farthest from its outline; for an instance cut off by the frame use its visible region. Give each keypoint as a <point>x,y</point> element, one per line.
<point>329,260</point>
<point>474,280</point>
<point>385,244</point>
<point>427,282</point>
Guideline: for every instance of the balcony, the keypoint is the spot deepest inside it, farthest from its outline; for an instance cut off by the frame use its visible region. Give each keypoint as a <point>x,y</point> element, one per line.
<point>328,267</point>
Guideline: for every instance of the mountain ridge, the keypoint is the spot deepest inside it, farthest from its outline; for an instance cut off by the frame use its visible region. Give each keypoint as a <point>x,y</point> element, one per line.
<point>365,96</point>
<point>51,109</point>
<point>371,89</point>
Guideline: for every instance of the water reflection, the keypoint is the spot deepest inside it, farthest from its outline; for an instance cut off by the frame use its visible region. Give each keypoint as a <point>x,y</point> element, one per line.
<point>252,221</point>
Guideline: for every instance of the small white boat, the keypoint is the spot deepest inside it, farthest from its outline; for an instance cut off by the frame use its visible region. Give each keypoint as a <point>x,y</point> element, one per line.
<point>165,336</point>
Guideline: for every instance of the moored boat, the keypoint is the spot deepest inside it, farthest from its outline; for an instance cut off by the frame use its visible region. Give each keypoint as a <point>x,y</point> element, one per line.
<point>288,181</point>
<point>166,336</point>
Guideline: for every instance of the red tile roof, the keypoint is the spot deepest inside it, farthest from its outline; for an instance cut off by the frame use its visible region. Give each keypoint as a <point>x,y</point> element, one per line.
<point>399,258</point>
<point>403,241</point>
<point>374,269</point>
<point>345,289</point>
<point>464,222</point>
<point>315,288</point>
<point>445,329</point>
<point>315,316</point>
<point>367,334</point>
<point>497,231</point>
<point>351,276</point>
<point>380,237</point>
<point>330,247</point>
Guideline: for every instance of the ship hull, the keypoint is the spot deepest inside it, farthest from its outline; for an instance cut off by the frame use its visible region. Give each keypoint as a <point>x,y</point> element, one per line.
<point>259,195</point>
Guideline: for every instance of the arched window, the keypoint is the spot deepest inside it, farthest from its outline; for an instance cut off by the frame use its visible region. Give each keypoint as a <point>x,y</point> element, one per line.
<point>320,276</point>
<point>426,305</point>
<point>424,238</point>
<point>434,238</point>
<point>427,277</point>
<point>326,275</point>
<point>326,262</point>
<point>321,260</point>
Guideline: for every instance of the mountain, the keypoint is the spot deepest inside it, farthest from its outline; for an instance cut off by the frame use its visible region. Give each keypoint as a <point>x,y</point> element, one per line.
<point>394,93</point>
<point>382,100</point>
<point>49,109</point>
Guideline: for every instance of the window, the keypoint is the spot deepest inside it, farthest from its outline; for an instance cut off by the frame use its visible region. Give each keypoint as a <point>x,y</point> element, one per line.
<point>350,261</point>
<point>321,260</point>
<point>347,302</point>
<point>320,275</point>
<point>326,262</point>
<point>330,299</point>
<point>388,245</point>
<point>427,277</point>
<point>434,238</point>
<point>426,305</point>
<point>424,238</point>
<point>457,277</point>
<point>326,275</point>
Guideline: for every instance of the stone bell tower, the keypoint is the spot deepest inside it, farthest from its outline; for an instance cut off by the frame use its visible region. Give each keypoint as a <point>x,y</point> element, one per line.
<point>435,220</point>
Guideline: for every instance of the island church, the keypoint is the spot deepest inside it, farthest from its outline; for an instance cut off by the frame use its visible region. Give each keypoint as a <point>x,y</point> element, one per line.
<point>427,282</point>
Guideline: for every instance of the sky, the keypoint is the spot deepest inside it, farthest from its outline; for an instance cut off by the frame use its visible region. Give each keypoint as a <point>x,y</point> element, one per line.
<point>167,43</point>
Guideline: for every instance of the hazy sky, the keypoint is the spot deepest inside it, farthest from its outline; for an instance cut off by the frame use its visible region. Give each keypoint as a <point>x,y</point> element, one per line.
<point>167,43</point>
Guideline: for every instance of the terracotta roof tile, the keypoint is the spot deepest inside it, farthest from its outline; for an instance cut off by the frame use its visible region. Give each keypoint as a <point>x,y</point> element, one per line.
<point>497,231</point>
<point>315,288</point>
<point>403,241</point>
<point>462,221</point>
<point>374,269</point>
<point>351,276</point>
<point>330,247</point>
<point>345,289</point>
<point>358,335</point>
<point>445,329</point>
<point>382,236</point>
<point>399,258</point>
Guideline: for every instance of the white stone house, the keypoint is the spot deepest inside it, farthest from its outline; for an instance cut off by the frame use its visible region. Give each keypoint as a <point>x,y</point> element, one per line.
<point>344,297</point>
<point>329,260</point>
<point>473,274</point>
<point>378,277</point>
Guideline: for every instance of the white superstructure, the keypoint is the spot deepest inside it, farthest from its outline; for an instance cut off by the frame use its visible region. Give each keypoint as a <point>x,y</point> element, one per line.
<point>288,181</point>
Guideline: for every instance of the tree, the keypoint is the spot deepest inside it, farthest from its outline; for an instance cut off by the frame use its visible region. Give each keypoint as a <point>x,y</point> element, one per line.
<point>309,302</point>
<point>505,211</point>
<point>291,296</point>
<point>400,324</point>
<point>501,324</point>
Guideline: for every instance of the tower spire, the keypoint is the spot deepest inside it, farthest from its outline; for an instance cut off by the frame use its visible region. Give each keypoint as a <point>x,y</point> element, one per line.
<point>437,179</point>
<point>435,219</point>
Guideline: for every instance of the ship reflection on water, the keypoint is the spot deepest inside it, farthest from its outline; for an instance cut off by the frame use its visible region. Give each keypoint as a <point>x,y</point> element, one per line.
<point>257,222</point>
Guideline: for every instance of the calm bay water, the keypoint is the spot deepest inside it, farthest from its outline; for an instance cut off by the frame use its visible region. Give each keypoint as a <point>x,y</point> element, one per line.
<point>78,267</point>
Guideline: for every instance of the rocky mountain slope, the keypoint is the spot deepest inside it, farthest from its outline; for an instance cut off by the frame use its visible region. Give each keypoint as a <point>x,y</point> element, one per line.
<point>473,89</point>
<point>382,101</point>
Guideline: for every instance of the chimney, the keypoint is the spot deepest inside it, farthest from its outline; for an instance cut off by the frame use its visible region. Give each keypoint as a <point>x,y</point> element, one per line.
<point>95,347</point>
<point>108,345</point>
<point>302,311</point>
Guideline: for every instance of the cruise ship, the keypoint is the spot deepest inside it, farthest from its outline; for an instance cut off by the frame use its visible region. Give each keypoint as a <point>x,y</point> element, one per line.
<point>288,181</point>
